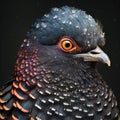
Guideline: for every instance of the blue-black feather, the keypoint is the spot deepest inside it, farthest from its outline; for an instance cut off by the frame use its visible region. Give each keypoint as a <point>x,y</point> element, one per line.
<point>67,21</point>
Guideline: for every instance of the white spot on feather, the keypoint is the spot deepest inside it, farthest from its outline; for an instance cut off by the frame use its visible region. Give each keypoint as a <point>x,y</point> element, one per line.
<point>88,43</point>
<point>50,100</point>
<point>44,25</point>
<point>59,18</point>
<point>25,40</point>
<point>37,25</point>
<point>49,113</point>
<point>56,99</point>
<point>61,28</point>
<point>53,109</point>
<point>73,11</point>
<point>35,37</point>
<point>44,101</point>
<point>90,114</point>
<point>28,44</point>
<point>55,17</point>
<point>102,35</point>
<point>48,92</point>
<point>89,17</point>
<point>22,45</point>
<point>63,22</point>
<point>78,27</point>
<point>46,15</point>
<point>39,107</point>
<point>37,118</point>
<point>55,9</point>
<point>66,104</point>
<point>75,107</point>
<point>100,109</point>
<point>90,105</point>
<point>78,116</point>
<point>84,31</point>
<point>109,113</point>
<point>60,114</point>
<point>70,23</point>
<point>69,110</point>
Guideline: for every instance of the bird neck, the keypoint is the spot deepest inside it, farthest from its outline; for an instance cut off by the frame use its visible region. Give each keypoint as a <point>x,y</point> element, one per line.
<point>76,75</point>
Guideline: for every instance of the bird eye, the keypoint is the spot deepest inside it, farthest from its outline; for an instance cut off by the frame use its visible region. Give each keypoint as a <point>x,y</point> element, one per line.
<point>67,44</point>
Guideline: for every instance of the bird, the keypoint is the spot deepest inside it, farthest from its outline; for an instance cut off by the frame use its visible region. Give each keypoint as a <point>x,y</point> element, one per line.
<point>55,75</point>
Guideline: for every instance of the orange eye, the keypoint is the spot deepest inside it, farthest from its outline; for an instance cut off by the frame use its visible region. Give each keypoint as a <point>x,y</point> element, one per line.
<point>67,45</point>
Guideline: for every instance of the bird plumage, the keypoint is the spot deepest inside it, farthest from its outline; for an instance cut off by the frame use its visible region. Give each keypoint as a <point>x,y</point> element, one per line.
<point>50,83</point>
<point>67,22</point>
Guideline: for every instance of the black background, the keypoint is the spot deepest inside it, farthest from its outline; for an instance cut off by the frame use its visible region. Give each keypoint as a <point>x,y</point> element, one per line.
<point>18,16</point>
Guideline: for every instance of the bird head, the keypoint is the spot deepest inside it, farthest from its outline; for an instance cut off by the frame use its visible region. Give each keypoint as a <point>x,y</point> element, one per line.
<point>66,39</point>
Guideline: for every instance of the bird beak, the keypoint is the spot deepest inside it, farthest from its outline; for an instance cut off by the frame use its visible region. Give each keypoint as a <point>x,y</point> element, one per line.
<point>96,55</point>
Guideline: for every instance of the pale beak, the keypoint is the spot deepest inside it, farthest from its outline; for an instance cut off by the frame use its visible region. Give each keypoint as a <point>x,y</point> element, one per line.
<point>96,55</point>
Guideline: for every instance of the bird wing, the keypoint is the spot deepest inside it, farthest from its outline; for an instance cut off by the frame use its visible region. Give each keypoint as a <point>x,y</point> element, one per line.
<point>21,101</point>
<point>6,99</point>
<point>16,100</point>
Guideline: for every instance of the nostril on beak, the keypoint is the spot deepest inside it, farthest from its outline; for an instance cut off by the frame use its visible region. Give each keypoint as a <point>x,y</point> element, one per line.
<point>97,50</point>
<point>94,52</point>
